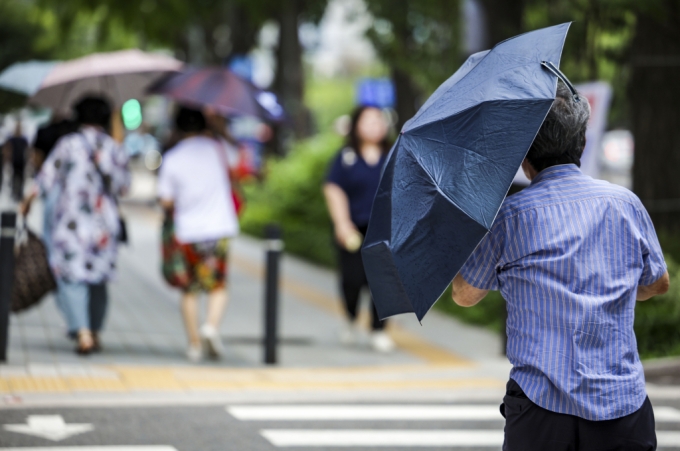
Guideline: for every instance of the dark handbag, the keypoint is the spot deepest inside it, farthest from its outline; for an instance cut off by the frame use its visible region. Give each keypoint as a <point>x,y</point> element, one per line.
<point>33,277</point>
<point>173,264</point>
<point>122,230</point>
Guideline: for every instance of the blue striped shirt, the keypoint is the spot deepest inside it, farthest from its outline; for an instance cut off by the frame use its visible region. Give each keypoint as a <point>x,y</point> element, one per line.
<point>568,254</point>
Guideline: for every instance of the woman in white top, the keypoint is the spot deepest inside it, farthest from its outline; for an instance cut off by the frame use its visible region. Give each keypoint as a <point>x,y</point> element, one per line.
<point>194,187</point>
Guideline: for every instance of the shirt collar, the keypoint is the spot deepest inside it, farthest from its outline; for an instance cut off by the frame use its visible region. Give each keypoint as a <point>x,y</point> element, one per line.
<point>558,171</point>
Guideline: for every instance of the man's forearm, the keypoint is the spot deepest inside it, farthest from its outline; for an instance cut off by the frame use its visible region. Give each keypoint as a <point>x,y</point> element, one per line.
<point>661,286</point>
<point>465,294</point>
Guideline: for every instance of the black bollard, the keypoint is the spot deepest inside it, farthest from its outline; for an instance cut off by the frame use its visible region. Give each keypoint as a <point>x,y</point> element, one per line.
<point>8,225</point>
<point>274,245</point>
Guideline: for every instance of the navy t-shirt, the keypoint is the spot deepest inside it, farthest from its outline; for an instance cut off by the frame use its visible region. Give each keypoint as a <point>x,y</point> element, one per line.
<point>358,180</point>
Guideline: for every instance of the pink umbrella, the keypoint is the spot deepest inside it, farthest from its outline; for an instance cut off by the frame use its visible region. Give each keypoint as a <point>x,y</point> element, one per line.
<point>117,76</point>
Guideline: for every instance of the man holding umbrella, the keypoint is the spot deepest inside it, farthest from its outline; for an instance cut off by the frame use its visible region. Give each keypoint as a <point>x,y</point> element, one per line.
<point>571,255</point>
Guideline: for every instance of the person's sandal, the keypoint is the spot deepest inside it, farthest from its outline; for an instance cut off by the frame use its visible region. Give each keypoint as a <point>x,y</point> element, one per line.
<point>96,342</point>
<point>85,343</point>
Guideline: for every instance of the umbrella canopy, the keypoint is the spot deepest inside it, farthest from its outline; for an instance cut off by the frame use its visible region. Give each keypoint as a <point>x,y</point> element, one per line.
<point>221,89</point>
<point>118,76</point>
<point>25,78</point>
<point>449,171</point>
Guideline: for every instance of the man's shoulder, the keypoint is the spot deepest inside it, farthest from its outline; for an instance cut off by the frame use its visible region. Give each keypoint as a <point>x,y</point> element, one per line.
<point>569,190</point>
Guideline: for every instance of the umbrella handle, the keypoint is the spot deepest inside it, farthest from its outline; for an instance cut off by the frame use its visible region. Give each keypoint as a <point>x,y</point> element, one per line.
<point>558,73</point>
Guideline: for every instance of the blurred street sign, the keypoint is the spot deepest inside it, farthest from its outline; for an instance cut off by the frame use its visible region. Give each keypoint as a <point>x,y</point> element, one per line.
<point>378,92</point>
<point>242,65</point>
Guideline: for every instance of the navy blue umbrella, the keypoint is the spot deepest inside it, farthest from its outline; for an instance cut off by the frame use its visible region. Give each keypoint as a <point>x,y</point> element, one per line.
<point>448,173</point>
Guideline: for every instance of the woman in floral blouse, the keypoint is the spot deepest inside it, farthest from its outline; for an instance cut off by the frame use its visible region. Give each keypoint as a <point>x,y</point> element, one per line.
<point>89,170</point>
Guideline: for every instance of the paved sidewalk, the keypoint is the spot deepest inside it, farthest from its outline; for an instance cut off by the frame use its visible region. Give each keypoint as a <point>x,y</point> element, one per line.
<point>144,340</point>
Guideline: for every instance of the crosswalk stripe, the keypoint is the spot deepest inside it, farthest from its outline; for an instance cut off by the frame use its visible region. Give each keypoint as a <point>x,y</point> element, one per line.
<point>96,448</point>
<point>401,438</point>
<point>668,438</point>
<point>366,412</point>
<point>391,412</point>
<point>664,414</point>
<point>392,438</point>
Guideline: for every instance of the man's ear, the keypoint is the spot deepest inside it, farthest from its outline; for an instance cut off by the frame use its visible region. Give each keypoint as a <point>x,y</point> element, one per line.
<point>528,169</point>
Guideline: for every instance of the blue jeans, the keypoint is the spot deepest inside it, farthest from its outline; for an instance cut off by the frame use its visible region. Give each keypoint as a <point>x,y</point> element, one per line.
<point>84,305</point>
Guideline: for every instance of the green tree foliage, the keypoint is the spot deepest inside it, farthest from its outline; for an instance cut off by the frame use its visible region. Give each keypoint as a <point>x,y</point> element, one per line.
<point>292,197</point>
<point>210,32</point>
<point>17,34</point>
<point>598,43</point>
<point>202,30</point>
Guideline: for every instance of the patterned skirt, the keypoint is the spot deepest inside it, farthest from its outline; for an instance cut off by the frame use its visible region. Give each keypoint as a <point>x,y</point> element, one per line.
<point>194,267</point>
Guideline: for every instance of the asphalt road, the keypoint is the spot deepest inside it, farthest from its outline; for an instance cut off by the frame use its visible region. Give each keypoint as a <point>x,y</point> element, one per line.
<point>261,427</point>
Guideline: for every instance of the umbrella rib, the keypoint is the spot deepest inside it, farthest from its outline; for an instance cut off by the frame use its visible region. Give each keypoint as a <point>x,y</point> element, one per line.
<point>434,183</point>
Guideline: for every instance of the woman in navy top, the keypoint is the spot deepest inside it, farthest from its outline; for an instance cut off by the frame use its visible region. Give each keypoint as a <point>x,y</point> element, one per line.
<point>350,187</point>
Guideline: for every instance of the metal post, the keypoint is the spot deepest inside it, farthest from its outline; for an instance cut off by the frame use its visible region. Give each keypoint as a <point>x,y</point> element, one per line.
<point>8,225</point>
<point>271,297</point>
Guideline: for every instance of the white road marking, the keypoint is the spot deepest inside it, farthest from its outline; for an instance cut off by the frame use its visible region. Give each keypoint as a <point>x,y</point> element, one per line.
<point>400,438</point>
<point>665,413</point>
<point>668,438</point>
<point>50,427</point>
<point>382,437</point>
<point>96,448</point>
<point>366,412</point>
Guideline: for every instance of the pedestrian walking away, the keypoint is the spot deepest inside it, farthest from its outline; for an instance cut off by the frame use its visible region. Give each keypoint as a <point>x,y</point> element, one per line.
<point>88,171</point>
<point>571,255</point>
<point>350,188</point>
<point>195,191</point>
<point>17,147</point>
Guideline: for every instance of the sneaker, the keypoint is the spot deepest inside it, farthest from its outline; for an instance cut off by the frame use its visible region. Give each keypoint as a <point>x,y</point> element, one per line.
<point>195,353</point>
<point>212,340</point>
<point>381,342</point>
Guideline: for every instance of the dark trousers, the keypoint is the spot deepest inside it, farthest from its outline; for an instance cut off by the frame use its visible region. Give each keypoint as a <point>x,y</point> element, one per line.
<point>529,427</point>
<point>99,301</point>
<point>17,187</point>
<point>352,280</point>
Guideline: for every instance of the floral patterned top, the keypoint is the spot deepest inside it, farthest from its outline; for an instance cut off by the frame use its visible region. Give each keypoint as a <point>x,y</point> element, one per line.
<point>85,222</point>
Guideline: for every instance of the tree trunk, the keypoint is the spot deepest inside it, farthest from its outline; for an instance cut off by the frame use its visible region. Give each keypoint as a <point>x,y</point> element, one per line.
<point>243,34</point>
<point>289,80</point>
<point>407,97</point>
<point>504,19</point>
<point>654,91</point>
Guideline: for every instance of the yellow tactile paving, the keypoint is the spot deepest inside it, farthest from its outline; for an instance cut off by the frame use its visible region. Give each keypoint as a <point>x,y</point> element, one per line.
<point>350,385</point>
<point>95,384</point>
<point>149,379</point>
<point>126,378</point>
<point>36,384</point>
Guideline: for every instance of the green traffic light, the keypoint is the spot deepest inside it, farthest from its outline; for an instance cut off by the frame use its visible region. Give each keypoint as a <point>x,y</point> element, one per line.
<point>131,113</point>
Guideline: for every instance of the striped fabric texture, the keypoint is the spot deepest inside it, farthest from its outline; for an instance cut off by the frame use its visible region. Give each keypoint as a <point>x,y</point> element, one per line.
<point>568,253</point>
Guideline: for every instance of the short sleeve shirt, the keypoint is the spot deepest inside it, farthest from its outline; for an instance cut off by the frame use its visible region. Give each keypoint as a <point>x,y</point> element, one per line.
<point>568,254</point>
<point>195,177</point>
<point>358,180</point>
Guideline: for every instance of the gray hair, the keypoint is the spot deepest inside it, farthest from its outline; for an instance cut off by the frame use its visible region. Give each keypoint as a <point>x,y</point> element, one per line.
<point>562,137</point>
